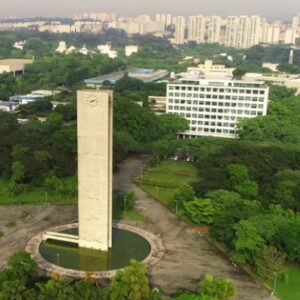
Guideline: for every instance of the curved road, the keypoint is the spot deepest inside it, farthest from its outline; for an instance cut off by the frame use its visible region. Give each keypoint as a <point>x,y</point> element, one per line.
<point>188,256</point>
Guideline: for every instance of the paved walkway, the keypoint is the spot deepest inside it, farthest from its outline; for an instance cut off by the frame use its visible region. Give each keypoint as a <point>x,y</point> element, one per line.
<point>188,256</point>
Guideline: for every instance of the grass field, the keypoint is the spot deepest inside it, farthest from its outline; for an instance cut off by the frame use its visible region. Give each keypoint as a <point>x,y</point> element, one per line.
<point>163,180</point>
<point>33,195</point>
<point>289,290</point>
<point>38,195</point>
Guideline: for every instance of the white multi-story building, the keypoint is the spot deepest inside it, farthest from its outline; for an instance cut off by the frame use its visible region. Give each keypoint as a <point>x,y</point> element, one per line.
<point>196,29</point>
<point>179,36</point>
<point>214,107</point>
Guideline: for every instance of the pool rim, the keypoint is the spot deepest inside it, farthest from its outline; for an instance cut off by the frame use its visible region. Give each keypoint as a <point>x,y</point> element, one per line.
<point>157,251</point>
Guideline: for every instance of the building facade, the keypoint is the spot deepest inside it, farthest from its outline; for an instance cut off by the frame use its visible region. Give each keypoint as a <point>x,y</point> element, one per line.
<point>214,107</point>
<point>179,36</point>
<point>196,29</point>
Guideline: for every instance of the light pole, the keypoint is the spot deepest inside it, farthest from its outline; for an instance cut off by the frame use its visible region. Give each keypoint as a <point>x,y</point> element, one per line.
<point>124,206</point>
<point>141,169</point>
<point>57,258</point>
<point>157,191</point>
<point>275,282</point>
<point>176,207</point>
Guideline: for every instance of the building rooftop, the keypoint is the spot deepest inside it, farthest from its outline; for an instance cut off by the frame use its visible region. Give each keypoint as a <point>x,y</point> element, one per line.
<point>146,75</point>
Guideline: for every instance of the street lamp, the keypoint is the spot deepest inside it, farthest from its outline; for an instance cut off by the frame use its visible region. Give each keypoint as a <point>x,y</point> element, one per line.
<point>275,282</point>
<point>124,206</point>
<point>57,258</point>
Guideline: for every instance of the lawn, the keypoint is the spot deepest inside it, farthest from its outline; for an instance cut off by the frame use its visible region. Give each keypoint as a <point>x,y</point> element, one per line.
<point>163,180</point>
<point>33,195</point>
<point>38,195</point>
<point>291,289</point>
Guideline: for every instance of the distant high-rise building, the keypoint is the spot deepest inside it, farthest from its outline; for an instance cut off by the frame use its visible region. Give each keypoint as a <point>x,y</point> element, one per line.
<point>290,35</point>
<point>213,29</point>
<point>196,29</point>
<point>179,37</point>
<point>243,31</point>
<point>270,33</point>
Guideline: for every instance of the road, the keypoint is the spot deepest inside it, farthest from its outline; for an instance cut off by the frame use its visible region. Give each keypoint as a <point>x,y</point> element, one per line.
<point>188,256</point>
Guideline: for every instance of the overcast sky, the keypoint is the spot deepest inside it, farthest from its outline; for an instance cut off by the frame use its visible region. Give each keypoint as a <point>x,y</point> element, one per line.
<point>274,9</point>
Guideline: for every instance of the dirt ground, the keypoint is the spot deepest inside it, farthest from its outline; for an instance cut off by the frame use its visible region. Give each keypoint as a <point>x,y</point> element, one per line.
<point>188,256</point>
<point>39,217</point>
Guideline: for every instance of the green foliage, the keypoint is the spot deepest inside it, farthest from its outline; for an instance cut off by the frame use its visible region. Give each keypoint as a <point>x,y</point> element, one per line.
<point>189,296</point>
<point>270,263</point>
<point>200,211</point>
<point>248,244</point>
<point>11,224</point>
<point>40,107</point>
<point>184,193</point>
<point>130,283</point>
<point>239,178</point>
<point>128,200</point>
<point>220,288</point>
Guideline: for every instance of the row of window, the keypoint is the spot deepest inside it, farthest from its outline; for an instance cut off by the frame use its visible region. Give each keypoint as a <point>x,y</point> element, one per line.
<point>215,124</point>
<point>217,90</point>
<point>213,130</point>
<point>217,97</point>
<point>218,104</point>
<point>213,110</point>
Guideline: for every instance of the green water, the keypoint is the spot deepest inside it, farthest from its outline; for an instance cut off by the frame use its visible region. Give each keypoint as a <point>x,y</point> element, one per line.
<point>126,245</point>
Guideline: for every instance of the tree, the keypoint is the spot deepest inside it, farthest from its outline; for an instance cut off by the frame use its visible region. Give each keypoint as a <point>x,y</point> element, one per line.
<point>189,296</point>
<point>200,211</point>
<point>239,178</point>
<point>220,288</point>
<point>248,244</point>
<point>269,263</point>
<point>185,193</point>
<point>130,283</point>
<point>128,200</point>
<point>22,267</point>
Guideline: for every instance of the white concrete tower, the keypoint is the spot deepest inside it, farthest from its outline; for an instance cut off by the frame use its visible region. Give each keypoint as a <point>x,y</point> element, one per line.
<point>94,113</point>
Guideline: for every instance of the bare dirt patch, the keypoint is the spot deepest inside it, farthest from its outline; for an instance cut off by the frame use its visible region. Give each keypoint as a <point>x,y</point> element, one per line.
<point>36,219</point>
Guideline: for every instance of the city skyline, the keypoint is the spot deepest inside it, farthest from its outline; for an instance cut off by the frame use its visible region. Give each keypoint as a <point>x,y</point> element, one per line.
<point>55,8</point>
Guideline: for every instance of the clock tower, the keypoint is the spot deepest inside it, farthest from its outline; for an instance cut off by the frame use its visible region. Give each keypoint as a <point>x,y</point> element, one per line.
<point>94,115</point>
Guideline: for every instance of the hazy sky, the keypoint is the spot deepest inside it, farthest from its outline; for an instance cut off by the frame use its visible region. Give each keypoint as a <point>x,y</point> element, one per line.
<point>282,9</point>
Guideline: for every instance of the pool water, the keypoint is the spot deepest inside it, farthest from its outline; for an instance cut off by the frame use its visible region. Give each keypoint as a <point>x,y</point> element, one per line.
<point>126,245</point>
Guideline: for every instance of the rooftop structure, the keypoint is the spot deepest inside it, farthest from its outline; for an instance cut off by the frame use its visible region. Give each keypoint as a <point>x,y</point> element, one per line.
<point>15,66</point>
<point>33,96</point>
<point>214,107</point>
<point>210,70</point>
<point>8,105</point>
<point>281,79</point>
<point>146,75</point>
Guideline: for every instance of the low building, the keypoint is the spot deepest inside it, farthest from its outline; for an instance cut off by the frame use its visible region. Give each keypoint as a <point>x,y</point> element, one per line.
<point>14,66</point>
<point>8,106</point>
<point>157,104</point>
<point>146,75</point>
<point>214,107</point>
<point>282,79</point>
<point>106,50</point>
<point>129,50</point>
<point>33,96</point>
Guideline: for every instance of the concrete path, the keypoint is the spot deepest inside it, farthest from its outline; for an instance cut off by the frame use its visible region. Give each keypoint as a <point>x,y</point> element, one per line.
<point>188,256</point>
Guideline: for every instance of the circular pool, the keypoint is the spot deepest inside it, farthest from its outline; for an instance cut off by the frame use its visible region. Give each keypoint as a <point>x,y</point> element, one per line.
<point>126,245</point>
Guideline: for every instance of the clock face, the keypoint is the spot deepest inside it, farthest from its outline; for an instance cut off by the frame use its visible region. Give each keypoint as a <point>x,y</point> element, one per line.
<point>92,100</point>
